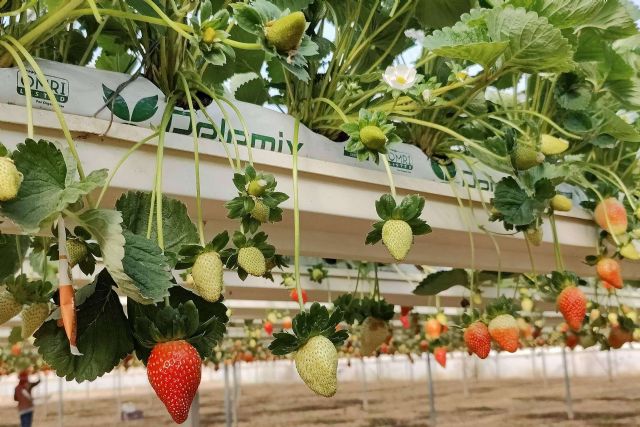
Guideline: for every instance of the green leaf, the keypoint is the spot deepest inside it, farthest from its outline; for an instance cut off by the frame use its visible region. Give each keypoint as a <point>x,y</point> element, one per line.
<point>178,228</point>
<point>441,13</point>
<point>104,336</point>
<point>148,268</point>
<point>116,103</point>
<point>143,7</point>
<point>49,185</point>
<point>517,207</point>
<point>249,87</point>
<point>467,41</point>
<point>626,91</point>
<point>119,62</point>
<point>13,249</point>
<point>534,44</point>
<point>292,5</point>
<point>619,129</point>
<point>440,281</point>
<point>613,21</point>
<point>145,109</point>
<point>568,13</point>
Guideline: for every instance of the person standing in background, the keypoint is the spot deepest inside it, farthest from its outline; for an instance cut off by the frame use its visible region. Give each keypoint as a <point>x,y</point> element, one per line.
<point>23,396</point>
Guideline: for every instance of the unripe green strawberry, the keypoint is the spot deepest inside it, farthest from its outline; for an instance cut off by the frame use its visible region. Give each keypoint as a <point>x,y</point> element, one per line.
<point>285,34</point>
<point>397,237</point>
<point>561,203</point>
<point>373,137</point>
<point>317,365</point>
<point>257,187</point>
<point>533,235</point>
<point>9,307</point>
<point>525,157</point>
<point>317,274</point>
<point>76,251</point>
<point>374,332</point>
<point>527,304</point>
<point>33,317</point>
<point>260,211</point>
<point>629,251</point>
<point>207,276</point>
<point>252,261</point>
<point>551,145</point>
<point>10,179</point>
<point>289,282</point>
<point>208,35</point>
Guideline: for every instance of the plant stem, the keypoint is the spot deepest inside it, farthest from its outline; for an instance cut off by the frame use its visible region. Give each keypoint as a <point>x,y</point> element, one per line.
<point>387,167</point>
<point>196,156</point>
<point>296,214</point>
<point>119,164</point>
<point>245,129</point>
<point>159,163</point>
<point>218,132</point>
<point>26,84</point>
<point>333,105</point>
<point>242,45</point>
<point>556,243</point>
<point>54,103</point>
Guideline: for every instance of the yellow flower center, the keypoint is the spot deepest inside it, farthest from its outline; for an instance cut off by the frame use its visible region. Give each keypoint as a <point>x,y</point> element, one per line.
<point>401,80</point>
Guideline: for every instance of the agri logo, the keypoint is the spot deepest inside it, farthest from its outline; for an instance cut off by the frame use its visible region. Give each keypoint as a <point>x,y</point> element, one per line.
<point>439,171</point>
<point>143,110</point>
<point>58,85</point>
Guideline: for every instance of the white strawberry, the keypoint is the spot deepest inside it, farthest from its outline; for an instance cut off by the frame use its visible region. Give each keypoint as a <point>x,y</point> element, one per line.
<point>207,276</point>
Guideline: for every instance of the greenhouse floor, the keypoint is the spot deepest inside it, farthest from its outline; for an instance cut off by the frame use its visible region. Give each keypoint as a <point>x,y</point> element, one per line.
<point>597,402</point>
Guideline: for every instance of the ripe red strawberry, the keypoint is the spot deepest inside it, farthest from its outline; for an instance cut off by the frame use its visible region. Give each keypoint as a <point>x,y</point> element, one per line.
<point>608,270</point>
<point>618,337</point>
<point>405,309</point>
<point>572,303</point>
<point>571,340</point>
<point>294,296</point>
<point>286,322</point>
<point>268,327</point>
<point>612,210</point>
<point>608,286</point>
<point>440,354</point>
<point>433,328</point>
<point>174,369</point>
<point>424,345</point>
<point>405,321</point>
<point>478,339</point>
<point>504,330</point>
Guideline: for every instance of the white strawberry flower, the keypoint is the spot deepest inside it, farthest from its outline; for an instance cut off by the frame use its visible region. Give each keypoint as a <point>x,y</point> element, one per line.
<point>400,77</point>
<point>426,95</point>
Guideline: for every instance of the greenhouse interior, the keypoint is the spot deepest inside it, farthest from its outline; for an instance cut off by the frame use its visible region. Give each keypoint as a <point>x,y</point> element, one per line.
<point>267,213</point>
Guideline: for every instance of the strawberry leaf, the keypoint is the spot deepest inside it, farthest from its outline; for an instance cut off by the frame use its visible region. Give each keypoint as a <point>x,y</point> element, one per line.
<point>440,281</point>
<point>13,250</point>
<point>178,228</point>
<point>49,186</point>
<point>104,337</point>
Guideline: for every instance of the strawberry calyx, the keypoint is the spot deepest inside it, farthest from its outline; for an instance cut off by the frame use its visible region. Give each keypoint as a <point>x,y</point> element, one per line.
<point>257,201</point>
<point>501,305</point>
<point>370,136</point>
<point>359,309</point>
<point>189,253</point>
<point>308,324</point>
<point>26,291</point>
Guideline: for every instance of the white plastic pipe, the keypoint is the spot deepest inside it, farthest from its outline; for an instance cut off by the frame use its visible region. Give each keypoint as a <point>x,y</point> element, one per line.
<point>567,385</point>
<point>432,399</point>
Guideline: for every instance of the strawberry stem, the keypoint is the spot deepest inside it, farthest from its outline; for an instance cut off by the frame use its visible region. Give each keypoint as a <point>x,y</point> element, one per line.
<point>556,243</point>
<point>196,156</point>
<point>296,214</point>
<point>120,162</point>
<point>392,186</point>
<point>245,129</point>
<point>25,82</point>
<point>218,132</point>
<point>159,163</point>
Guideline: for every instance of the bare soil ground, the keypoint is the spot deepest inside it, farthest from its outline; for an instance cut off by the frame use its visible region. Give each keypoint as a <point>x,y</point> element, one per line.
<point>597,402</point>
